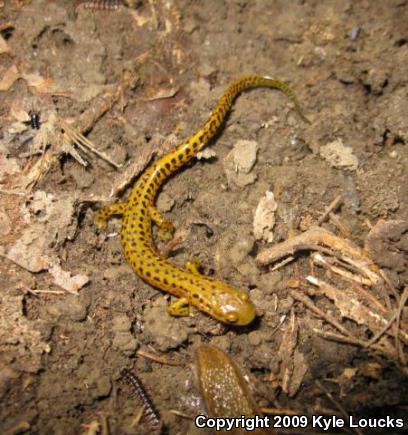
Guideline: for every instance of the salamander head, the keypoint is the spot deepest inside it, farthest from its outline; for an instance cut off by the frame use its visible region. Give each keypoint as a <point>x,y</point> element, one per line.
<point>232,306</point>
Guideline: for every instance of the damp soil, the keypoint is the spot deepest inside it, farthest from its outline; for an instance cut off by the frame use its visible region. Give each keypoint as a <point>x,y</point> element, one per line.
<point>62,353</point>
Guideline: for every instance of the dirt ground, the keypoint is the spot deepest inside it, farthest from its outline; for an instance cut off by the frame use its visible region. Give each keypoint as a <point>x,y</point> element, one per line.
<point>136,80</point>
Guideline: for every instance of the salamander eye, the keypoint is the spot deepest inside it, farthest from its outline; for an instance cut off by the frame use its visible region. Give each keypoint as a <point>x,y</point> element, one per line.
<point>232,318</point>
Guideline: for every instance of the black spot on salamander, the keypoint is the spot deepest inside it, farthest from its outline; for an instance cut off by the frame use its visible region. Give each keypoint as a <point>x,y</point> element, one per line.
<point>168,166</point>
<point>148,273</point>
<point>165,280</point>
<point>174,161</point>
<point>181,157</point>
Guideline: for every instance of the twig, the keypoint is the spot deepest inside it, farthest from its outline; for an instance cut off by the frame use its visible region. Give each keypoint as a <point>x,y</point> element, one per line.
<point>83,123</point>
<point>334,219</point>
<point>318,239</point>
<point>382,331</point>
<point>309,304</point>
<point>19,428</point>
<point>337,405</point>
<point>403,301</point>
<point>394,292</point>
<point>282,263</point>
<point>157,358</point>
<point>331,207</point>
<point>352,341</point>
<point>322,261</point>
<point>352,308</point>
<point>280,411</point>
<point>12,192</point>
<point>370,298</point>
<point>138,417</point>
<point>50,292</point>
<point>181,414</point>
<point>83,142</point>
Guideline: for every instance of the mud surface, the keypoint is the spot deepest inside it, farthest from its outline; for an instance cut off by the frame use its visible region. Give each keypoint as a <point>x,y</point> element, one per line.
<point>73,313</point>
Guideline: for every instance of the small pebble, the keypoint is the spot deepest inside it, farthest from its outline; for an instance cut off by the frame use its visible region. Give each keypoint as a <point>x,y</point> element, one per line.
<point>355,31</point>
<point>164,202</point>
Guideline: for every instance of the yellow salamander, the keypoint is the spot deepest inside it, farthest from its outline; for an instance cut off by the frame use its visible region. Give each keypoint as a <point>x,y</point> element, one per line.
<point>210,295</point>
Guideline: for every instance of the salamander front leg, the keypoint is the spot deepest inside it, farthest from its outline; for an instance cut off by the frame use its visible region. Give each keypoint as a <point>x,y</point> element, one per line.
<point>193,265</point>
<point>104,214</point>
<point>180,308</point>
<point>166,228</point>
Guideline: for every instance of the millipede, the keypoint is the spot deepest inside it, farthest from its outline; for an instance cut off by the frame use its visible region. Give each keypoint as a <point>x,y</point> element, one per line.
<point>151,413</point>
<point>108,5</point>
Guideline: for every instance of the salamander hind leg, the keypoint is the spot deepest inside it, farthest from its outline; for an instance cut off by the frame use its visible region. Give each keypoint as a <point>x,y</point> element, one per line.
<point>166,228</point>
<point>180,308</point>
<point>104,214</point>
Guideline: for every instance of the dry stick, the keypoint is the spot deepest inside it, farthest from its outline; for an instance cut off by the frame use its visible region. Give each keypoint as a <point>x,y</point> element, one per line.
<point>320,260</point>
<point>337,405</point>
<point>340,338</point>
<point>394,292</point>
<point>157,358</point>
<point>181,414</point>
<point>83,142</point>
<point>370,298</point>
<point>309,303</point>
<point>374,320</point>
<point>318,239</point>
<point>282,263</point>
<point>330,208</point>
<point>354,342</point>
<point>382,331</point>
<point>334,219</point>
<point>400,354</point>
<point>280,411</point>
<point>105,424</point>
<point>83,123</point>
<point>138,417</point>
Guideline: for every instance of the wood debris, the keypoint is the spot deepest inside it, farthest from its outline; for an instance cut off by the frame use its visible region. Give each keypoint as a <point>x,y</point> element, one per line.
<point>65,135</point>
<point>293,363</point>
<point>264,218</point>
<point>361,294</point>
